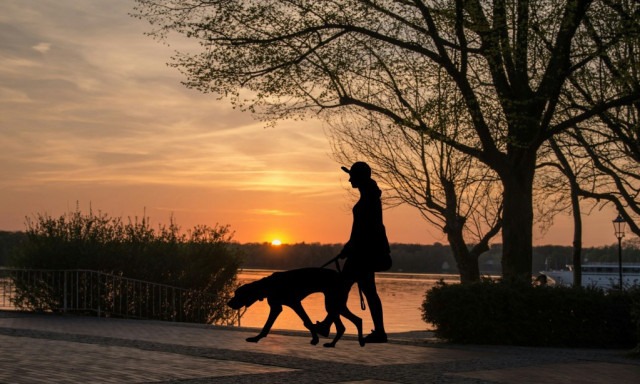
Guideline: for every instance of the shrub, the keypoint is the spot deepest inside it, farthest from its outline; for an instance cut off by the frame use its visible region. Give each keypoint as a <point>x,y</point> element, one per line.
<point>8,242</point>
<point>202,259</point>
<point>520,314</point>
<point>635,314</point>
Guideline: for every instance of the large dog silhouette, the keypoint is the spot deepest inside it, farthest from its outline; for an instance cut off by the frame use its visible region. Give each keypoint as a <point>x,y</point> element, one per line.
<point>289,288</point>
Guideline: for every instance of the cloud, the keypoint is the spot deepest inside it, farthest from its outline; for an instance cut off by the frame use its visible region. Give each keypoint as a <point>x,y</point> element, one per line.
<point>42,47</point>
<point>8,95</point>
<point>102,107</point>
<point>90,112</point>
<point>272,212</point>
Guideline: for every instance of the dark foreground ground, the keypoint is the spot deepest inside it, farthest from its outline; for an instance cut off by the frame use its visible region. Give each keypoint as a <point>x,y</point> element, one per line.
<point>68,349</point>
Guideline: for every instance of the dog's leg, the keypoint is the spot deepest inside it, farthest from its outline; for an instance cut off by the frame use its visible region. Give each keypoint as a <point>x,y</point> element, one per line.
<point>323,327</point>
<point>339,332</point>
<point>273,315</point>
<point>356,321</point>
<point>297,307</point>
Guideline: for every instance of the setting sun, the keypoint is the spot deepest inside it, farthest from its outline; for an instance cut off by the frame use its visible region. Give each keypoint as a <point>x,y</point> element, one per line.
<point>276,242</point>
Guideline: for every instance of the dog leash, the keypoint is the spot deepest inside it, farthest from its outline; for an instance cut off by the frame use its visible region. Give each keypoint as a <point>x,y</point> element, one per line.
<point>335,260</point>
<point>362,306</point>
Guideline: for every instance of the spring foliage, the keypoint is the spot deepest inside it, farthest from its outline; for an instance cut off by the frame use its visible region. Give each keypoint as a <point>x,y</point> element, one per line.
<point>202,259</point>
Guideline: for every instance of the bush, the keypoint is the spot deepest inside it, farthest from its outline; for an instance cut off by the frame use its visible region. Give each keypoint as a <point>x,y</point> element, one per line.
<point>635,314</point>
<point>9,241</point>
<point>520,314</point>
<point>203,259</point>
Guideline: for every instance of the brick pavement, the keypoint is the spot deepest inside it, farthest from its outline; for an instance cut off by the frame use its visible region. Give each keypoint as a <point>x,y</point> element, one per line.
<point>69,349</point>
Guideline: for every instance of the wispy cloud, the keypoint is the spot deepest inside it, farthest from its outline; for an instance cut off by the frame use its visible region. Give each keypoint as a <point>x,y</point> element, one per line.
<point>42,47</point>
<point>90,111</point>
<point>272,212</point>
<point>103,106</point>
<point>8,95</point>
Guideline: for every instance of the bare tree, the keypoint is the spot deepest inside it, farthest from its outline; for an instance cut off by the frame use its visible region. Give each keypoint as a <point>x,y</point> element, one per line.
<point>452,191</point>
<point>600,158</point>
<point>291,57</point>
<point>569,175</point>
<point>611,144</point>
<point>596,172</point>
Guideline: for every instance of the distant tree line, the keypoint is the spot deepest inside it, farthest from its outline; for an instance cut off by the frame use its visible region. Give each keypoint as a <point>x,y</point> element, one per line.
<point>416,258</point>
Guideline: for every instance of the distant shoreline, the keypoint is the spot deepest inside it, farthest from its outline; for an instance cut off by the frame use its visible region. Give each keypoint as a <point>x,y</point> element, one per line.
<point>449,277</point>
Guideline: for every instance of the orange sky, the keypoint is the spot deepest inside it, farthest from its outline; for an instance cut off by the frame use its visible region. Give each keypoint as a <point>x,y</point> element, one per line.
<point>89,112</point>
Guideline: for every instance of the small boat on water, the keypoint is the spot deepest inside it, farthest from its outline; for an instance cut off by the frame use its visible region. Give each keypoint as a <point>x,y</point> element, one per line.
<point>601,275</point>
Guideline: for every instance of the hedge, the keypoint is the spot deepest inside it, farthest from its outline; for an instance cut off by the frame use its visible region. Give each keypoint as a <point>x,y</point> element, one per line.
<point>491,312</point>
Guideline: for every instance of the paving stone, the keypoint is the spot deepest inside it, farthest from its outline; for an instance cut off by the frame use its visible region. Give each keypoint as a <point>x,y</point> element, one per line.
<point>68,349</point>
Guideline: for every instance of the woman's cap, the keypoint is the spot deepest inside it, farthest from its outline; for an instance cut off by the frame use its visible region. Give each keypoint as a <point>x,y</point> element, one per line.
<point>359,170</point>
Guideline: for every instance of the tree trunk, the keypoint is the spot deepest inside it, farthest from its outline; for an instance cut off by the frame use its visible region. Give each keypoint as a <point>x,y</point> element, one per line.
<point>454,227</point>
<point>577,239</point>
<point>467,262</point>
<point>577,215</point>
<point>517,220</point>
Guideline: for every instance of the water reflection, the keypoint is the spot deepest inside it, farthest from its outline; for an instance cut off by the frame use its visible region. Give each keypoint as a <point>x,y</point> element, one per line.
<point>401,295</point>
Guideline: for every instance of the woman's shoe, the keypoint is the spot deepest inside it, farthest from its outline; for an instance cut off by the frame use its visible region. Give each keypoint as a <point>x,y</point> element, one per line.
<point>376,337</point>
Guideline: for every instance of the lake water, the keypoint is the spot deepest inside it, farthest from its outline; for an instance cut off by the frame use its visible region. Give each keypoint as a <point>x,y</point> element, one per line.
<point>402,295</point>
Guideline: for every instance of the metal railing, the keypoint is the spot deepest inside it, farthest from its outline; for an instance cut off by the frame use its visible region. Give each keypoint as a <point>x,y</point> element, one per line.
<point>87,291</point>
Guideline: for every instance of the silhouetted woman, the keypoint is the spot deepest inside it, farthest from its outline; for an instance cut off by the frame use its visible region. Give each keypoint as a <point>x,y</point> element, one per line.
<point>367,250</point>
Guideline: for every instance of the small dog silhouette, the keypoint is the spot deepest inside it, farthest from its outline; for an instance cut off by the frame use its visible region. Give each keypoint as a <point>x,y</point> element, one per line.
<point>289,288</point>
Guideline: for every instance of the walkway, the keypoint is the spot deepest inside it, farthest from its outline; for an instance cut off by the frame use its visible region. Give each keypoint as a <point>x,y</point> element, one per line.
<point>67,349</point>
